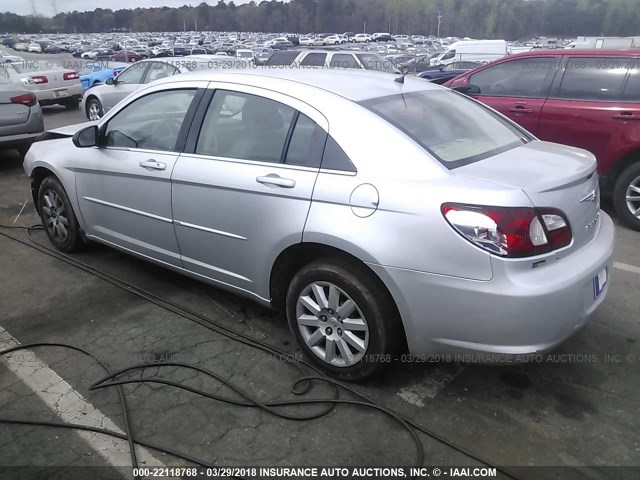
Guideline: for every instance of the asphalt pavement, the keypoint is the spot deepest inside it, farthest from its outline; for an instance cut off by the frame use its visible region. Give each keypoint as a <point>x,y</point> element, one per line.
<point>578,409</point>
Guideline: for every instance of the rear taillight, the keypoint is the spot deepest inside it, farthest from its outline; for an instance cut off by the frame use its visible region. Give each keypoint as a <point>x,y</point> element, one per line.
<point>510,232</point>
<point>28,99</point>
<point>40,79</point>
<point>71,76</point>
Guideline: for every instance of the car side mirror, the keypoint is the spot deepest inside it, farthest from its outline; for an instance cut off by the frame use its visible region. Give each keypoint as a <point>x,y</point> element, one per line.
<point>87,137</point>
<point>468,89</point>
<point>111,81</point>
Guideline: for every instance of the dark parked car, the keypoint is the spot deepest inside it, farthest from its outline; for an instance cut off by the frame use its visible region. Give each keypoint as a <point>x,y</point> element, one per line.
<point>180,51</point>
<point>448,72</point>
<point>53,49</point>
<point>417,64</point>
<point>282,45</point>
<point>584,98</point>
<point>125,56</point>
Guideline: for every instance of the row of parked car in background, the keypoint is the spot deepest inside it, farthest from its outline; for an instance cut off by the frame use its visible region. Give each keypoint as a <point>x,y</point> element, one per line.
<point>579,97</point>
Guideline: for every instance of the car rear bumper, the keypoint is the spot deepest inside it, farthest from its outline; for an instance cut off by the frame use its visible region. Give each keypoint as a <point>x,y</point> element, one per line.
<point>18,140</point>
<point>514,314</point>
<point>48,96</point>
<point>23,133</point>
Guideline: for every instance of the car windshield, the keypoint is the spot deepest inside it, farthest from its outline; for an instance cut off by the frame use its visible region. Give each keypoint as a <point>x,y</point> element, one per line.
<point>87,69</point>
<point>453,128</point>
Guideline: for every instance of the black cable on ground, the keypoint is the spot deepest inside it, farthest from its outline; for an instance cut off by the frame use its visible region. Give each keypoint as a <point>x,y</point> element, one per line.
<point>300,386</point>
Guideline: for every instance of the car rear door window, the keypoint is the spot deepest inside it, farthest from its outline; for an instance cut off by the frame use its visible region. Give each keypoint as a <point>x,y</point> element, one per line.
<point>527,77</point>
<point>314,60</point>
<point>282,58</point>
<point>335,158</point>
<point>134,74</point>
<point>158,70</point>
<point>306,144</point>
<point>343,60</point>
<point>595,79</point>
<point>246,127</point>
<point>152,122</point>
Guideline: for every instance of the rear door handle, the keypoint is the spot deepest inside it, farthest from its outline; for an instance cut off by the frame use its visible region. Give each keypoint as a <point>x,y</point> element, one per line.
<point>626,116</point>
<point>276,180</point>
<point>521,109</point>
<point>154,165</point>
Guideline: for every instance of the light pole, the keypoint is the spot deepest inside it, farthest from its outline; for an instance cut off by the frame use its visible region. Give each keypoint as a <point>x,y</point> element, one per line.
<point>364,27</point>
<point>439,23</point>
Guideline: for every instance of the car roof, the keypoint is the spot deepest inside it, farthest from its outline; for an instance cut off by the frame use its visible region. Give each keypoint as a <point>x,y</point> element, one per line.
<point>575,52</point>
<point>354,85</point>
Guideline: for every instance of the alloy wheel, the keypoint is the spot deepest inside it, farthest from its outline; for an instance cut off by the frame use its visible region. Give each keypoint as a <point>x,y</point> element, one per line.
<point>94,112</point>
<point>633,197</point>
<point>55,216</point>
<point>331,324</point>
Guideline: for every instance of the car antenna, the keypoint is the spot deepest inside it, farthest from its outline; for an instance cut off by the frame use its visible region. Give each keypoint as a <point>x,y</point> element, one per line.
<point>400,79</point>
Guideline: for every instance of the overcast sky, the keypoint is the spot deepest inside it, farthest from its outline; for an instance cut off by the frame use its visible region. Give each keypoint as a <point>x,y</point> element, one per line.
<point>45,7</point>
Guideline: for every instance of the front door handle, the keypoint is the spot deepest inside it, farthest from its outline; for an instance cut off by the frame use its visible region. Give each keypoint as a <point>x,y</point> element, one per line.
<point>154,165</point>
<point>276,180</point>
<point>521,109</point>
<point>626,116</point>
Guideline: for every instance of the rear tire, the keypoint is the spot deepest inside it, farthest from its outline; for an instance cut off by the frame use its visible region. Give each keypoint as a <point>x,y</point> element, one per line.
<point>57,215</point>
<point>72,104</point>
<point>343,318</point>
<point>626,196</point>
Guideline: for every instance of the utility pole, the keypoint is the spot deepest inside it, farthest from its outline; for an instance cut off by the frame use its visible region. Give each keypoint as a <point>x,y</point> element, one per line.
<point>364,27</point>
<point>439,23</point>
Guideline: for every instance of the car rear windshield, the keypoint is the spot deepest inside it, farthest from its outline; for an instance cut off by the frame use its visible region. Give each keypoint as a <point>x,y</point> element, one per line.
<point>453,128</point>
<point>33,66</point>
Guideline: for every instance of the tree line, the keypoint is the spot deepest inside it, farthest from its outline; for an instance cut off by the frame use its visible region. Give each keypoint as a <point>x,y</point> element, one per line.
<point>509,19</point>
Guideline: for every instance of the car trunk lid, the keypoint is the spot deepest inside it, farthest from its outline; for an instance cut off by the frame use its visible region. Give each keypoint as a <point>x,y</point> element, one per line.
<point>553,176</point>
<point>12,113</point>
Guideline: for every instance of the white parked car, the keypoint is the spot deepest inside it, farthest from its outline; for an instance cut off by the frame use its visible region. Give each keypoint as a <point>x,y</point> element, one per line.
<point>50,83</point>
<point>362,38</point>
<point>333,40</point>
<point>35,48</point>
<point>245,54</point>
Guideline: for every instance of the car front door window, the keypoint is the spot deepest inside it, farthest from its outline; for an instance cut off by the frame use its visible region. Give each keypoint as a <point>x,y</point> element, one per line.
<point>152,122</point>
<point>133,75</point>
<point>528,77</point>
<point>158,70</point>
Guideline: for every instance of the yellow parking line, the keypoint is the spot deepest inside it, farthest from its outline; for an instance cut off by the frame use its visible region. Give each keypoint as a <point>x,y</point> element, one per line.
<point>626,268</point>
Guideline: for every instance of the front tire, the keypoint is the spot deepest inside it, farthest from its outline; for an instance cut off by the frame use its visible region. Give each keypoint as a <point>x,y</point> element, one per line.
<point>343,318</point>
<point>94,109</point>
<point>57,215</point>
<point>626,196</point>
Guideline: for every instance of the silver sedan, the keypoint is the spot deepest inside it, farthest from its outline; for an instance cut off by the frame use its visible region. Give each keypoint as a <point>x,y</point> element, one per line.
<point>21,120</point>
<point>436,225</point>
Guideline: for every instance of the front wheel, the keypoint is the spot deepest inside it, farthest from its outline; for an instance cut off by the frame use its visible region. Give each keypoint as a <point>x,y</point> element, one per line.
<point>57,215</point>
<point>343,318</point>
<point>626,196</point>
<point>94,109</point>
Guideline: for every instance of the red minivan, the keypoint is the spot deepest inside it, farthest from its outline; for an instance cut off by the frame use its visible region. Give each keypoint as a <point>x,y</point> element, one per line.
<point>583,98</point>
